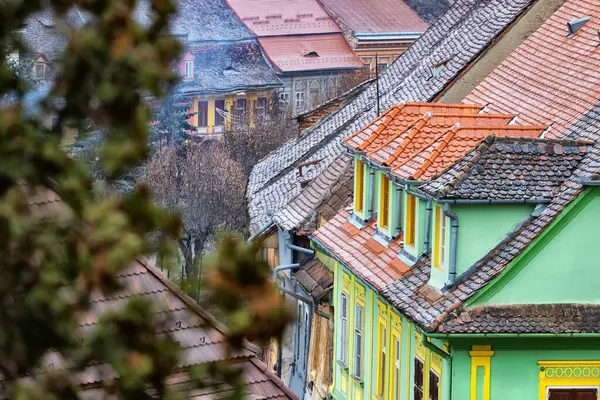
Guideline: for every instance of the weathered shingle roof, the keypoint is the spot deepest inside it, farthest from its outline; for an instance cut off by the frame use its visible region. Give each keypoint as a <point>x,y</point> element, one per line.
<point>527,318</point>
<point>284,17</point>
<point>406,294</point>
<point>328,192</point>
<point>505,168</point>
<point>274,181</point>
<point>226,67</point>
<point>551,78</point>
<point>378,16</point>
<point>315,279</point>
<point>310,52</point>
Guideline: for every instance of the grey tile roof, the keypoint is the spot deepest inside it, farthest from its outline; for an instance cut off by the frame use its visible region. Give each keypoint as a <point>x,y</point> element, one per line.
<point>226,67</point>
<point>205,20</point>
<point>330,190</point>
<point>505,168</point>
<point>406,294</point>
<point>315,279</point>
<point>528,318</point>
<point>429,10</point>
<point>456,38</point>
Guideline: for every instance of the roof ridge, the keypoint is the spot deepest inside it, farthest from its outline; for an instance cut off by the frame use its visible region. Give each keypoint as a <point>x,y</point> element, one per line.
<point>187,300</point>
<point>411,135</point>
<point>446,138</point>
<point>384,124</point>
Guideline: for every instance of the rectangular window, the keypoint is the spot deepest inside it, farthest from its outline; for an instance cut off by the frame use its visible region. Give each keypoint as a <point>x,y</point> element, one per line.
<point>397,366</point>
<point>385,202</point>
<point>411,211</point>
<point>358,341</point>
<point>220,112</point>
<point>300,103</point>
<point>381,67</point>
<point>434,385</point>
<point>284,99</point>
<point>344,330</point>
<point>39,71</point>
<point>189,69</point>
<point>440,238</point>
<point>202,114</point>
<point>382,359</point>
<point>240,110</point>
<point>260,108</point>
<point>360,186</point>
<point>419,382</point>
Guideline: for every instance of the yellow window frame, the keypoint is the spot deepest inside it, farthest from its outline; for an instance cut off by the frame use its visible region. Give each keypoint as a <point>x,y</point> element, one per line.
<point>411,210</point>
<point>384,202</point>
<point>381,342</point>
<point>395,346</point>
<point>360,186</point>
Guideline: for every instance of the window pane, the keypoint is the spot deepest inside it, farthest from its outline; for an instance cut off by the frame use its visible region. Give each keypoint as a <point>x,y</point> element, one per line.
<point>434,386</point>
<point>219,112</point>
<point>418,381</point>
<point>203,113</point>
<point>241,110</point>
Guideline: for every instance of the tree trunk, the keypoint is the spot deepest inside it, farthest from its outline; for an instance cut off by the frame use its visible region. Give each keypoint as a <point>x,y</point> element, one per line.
<point>186,248</point>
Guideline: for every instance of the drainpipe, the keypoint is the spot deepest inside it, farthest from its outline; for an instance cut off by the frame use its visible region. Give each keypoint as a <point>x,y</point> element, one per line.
<point>261,230</point>
<point>371,193</point>
<point>300,249</point>
<point>427,226</point>
<point>399,208</point>
<point>453,244</point>
<point>283,268</point>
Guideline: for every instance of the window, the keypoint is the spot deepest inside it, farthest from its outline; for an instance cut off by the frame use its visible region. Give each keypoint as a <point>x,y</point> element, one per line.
<point>360,186</point>
<point>397,365</point>
<point>39,70</point>
<point>358,342</point>
<point>284,99</point>
<point>300,101</point>
<point>314,93</point>
<point>240,110</point>
<point>189,69</point>
<point>381,67</point>
<point>344,330</point>
<point>419,382</point>
<point>384,202</point>
<point>440,238</point>
<point>260,108</point>
<point>411,210</point>
<point>220,112</point>
<point>382,359</point>
<point>434,386</point>
<point>202,114</point>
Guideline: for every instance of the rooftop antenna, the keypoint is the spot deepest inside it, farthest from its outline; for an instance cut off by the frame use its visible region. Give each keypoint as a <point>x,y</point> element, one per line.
<point>377,81</point>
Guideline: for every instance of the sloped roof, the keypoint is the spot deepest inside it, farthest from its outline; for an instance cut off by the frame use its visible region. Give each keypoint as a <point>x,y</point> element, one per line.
<point>419,140</point>
<point>406,294</point>
<point>284,17</point>
<point>377,16</point>
<point>506,168</point>
<point>315,279</point>
<point>200,337</point>
<point>429,10</point>
<point>200,21</point>
<point>526,318</point>
<point>310,52</point>
<point>551,78</point>
<point>329,191</point>
<point>226,67</point>
<point>274,181</point>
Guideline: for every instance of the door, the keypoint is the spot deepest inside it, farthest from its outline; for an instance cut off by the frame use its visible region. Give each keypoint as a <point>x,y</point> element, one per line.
<point>573,394</point>
<point>301,339</point>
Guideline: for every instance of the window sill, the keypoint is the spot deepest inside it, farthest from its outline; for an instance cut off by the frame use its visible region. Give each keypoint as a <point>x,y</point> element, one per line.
<point>343,366</point>
<point>357,380</point>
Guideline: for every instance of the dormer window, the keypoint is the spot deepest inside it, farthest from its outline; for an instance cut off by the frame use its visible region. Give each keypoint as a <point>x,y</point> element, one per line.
<point>439,251</point>
<point>359,192</point>
<point>384,203</point>
<point>189,69</point>
<point>411,220</point>
<point>39,68</point>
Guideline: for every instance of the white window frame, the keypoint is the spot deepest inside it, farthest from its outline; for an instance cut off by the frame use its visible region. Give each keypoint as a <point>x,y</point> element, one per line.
<point>300,101</point>
<point>189,69</point>
<point>359,315</point>
<point>43,69</point>
<point>344,329</point>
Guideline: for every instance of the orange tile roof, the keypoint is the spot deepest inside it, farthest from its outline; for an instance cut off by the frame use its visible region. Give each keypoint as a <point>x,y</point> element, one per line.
<point>551,78</point>
<point>419,140</point>
<point>376,264</point>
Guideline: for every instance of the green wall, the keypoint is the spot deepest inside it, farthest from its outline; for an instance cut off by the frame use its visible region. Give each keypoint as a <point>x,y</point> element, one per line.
<point>514,365</point>
<point>482,227</point>
<point>421,208</point>
<point>566,270</point>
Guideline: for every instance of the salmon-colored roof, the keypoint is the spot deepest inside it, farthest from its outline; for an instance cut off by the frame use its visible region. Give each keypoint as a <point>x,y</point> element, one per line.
<point>284,17</point>
<point>419,140</point>
<point>309,53</point>
<point>552,78</point>
<point>375,263</point>
<point>377,16</point>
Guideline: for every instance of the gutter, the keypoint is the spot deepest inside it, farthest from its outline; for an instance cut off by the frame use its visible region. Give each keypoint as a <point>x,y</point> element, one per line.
<point>505,201</point>
<point>300,249</point>
<point>588,182</point>
<point>511,335</point>
<point>453,245</point>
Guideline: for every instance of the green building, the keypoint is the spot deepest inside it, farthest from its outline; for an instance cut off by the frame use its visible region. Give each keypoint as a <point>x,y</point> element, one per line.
<point>463,270</point>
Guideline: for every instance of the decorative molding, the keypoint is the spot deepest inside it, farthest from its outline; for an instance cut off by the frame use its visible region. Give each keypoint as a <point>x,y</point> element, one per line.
<point>481,358</point>
<point>567,374</point>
